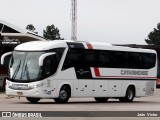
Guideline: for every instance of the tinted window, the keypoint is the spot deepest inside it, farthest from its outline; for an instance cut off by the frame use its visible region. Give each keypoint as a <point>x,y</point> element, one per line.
<point>50,65</point>
<point>105,59</point>
<point>119,59</point>
<point>149,60</point>
<point>135,60</point>
<point>108,59</point>
<point>89,58</point>
<point>51,62</point>
<point>72,59</point>
<point>59,53</point>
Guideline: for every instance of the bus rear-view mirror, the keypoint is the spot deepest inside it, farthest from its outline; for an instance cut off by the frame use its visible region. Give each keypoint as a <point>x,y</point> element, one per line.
<point>5,58</point>
<point>43,56</point>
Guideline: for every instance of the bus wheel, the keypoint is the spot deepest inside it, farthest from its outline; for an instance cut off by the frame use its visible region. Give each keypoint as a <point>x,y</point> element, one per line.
<point>32,100</point>
<point>101,99</point>
<point>64,95</point>
<point>130,94</point>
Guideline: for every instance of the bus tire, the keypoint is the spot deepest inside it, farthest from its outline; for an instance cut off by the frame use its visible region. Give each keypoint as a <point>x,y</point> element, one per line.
<point>101,99</point>
<point>32,100</point>
<point>64,95</point>
<point>130,94</point>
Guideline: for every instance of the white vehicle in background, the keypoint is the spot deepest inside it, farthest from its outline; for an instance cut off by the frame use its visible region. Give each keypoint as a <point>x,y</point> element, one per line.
<point>63,69</point>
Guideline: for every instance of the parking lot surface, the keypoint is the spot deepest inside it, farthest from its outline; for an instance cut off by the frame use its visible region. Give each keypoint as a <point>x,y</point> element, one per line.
<point>150,103</point>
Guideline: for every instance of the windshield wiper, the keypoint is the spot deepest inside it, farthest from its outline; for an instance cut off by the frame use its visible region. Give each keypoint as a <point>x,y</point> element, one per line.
<point>27,72</point>
<point>16,71</point>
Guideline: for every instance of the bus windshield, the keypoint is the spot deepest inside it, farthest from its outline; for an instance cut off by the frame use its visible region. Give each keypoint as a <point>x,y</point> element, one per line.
<point>24,66</point>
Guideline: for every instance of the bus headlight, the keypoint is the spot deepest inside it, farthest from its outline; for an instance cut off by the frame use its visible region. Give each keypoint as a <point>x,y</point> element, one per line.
<point>38,85</point>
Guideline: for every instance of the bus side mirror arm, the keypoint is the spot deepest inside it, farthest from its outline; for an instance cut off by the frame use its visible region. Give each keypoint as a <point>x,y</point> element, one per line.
<point>3,57</point>
<point>43,56</point>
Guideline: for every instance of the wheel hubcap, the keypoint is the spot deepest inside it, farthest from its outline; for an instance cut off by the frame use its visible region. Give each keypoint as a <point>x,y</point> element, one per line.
<point>130,94</point>
<point>63,94</point>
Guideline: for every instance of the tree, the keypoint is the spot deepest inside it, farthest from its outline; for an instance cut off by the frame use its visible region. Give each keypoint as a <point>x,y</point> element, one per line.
<point>30,27</point>
<point>154,36</point>
<point>51,33</point>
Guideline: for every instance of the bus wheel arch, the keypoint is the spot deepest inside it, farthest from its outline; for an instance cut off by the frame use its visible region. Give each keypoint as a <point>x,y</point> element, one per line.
<point>130,94</point>
<point>64,94</point>
<point>68,87</point>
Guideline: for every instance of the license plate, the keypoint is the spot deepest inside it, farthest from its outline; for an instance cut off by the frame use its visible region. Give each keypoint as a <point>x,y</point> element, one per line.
<point>19,93</point>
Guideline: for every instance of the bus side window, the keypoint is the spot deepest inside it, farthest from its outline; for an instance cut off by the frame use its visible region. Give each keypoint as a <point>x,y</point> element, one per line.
<point>104,59</point>
<point>47,67</point>
<point>50,65</point>
<point>72,59</point>
<point>135,60</point>
<point>149,60</point>
<point>120,59</point>
<point>88,58</point>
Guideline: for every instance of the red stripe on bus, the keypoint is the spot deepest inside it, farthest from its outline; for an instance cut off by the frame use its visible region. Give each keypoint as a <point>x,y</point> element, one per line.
<point>125,77</point>
<point>96,71</point>
<point>89,46</point>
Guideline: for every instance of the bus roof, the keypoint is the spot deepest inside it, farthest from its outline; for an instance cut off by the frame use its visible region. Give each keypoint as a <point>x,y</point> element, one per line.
<point>47,45</point>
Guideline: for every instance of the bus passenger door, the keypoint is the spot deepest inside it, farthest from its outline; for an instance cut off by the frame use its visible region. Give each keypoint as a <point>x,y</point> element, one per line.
<point>114,88</point>
<point>49,68</point>
<point>100,88</point>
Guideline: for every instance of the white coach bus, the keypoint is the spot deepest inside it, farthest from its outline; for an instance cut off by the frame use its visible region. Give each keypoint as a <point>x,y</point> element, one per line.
<point>65,69</point>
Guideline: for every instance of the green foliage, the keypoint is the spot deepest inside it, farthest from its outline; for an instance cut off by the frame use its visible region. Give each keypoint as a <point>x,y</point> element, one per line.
<point>52,33</point>
<point>154,36</point>
<point>30,27</point>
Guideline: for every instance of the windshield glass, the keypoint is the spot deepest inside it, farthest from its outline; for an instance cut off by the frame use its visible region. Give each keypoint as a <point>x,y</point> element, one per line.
<point>24,65</point>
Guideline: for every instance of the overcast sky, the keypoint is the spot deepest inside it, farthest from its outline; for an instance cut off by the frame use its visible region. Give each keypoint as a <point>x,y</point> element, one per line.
<point>112,21</point>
